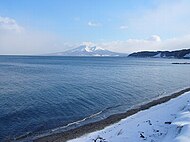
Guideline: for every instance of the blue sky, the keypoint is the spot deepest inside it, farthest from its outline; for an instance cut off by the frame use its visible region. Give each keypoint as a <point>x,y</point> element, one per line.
<point>71,17</point>
<point>113,24</point>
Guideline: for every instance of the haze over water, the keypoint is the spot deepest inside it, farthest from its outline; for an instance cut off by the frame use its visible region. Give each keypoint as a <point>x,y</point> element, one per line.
<point>43,93</point>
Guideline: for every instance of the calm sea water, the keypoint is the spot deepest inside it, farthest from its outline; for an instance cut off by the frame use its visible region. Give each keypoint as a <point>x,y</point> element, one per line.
<point>43,93</point>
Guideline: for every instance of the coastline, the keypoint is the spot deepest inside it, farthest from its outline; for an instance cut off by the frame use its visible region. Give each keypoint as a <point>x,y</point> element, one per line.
<point>99,125</point>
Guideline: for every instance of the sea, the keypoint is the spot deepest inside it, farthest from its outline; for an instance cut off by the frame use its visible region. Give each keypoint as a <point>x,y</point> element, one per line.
<point>43,94</point>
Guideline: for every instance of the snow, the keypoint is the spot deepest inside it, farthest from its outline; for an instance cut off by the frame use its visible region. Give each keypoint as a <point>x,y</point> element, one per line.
<point>91,48</point>
<point>187,55</point>
<point>167,122</point>
<point>88,47</point>
<point>157,55</point>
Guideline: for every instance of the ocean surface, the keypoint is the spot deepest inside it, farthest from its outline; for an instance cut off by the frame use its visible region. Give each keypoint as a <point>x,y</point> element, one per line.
<point>42,94</point>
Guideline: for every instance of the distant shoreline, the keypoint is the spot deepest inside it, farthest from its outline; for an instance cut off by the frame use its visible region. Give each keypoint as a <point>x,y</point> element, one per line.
<point>186,63</point>
<point>99,125</point>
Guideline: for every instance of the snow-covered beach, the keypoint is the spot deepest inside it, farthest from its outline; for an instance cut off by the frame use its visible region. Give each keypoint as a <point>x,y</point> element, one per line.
<point>163,119</point>
<point>167,122</point>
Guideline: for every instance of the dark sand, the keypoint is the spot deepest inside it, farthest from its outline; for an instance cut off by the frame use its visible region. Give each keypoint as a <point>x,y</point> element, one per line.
<point>77,132</point>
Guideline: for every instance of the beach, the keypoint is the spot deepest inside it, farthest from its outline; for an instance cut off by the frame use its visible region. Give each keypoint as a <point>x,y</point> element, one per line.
<point>115,122</point>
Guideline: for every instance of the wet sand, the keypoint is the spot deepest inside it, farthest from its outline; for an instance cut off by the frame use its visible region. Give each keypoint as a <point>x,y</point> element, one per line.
<point>77,132</point>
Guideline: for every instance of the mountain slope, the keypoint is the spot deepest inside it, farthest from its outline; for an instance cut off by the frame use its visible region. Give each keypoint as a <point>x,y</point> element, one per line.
<point>179,54</point>
<point>86,50</point>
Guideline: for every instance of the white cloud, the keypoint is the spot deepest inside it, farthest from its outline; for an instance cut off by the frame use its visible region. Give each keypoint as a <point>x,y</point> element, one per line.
<point>93,24</point>
<point>166,18</point>
<point>14,39</point>
<point>155,44</point>
<point>123,27</point>
<point>88,43</point>
<point>9,24</point>
<point>155,38</point>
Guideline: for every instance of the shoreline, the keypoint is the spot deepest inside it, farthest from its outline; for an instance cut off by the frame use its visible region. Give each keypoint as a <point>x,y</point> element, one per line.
<point>99,125</point>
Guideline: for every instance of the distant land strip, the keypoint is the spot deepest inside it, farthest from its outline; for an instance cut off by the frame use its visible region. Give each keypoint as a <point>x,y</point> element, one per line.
<point>178,54</point>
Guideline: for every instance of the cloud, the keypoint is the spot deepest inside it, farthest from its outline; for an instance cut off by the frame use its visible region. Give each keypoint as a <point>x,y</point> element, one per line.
<point>123,27</point>
<point>93,24</point>
<point>88,43</point>
<point>167,18</point>
<point>9,24</point>
<point>15,39</point>
<point>154,38</point>
<point>153,43</point>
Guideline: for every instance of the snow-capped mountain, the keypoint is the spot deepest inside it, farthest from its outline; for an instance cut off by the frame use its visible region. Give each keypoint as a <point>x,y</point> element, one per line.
<point>87,50</point>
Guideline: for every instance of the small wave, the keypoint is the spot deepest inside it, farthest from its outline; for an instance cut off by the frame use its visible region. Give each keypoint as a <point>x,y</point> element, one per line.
<point>77,122</point>
<point>112,107</point>
<point>86,118</point>
<point>28,134</point>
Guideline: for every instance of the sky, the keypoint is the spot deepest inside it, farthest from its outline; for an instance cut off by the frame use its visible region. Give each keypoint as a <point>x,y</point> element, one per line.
<point>35,27</point>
